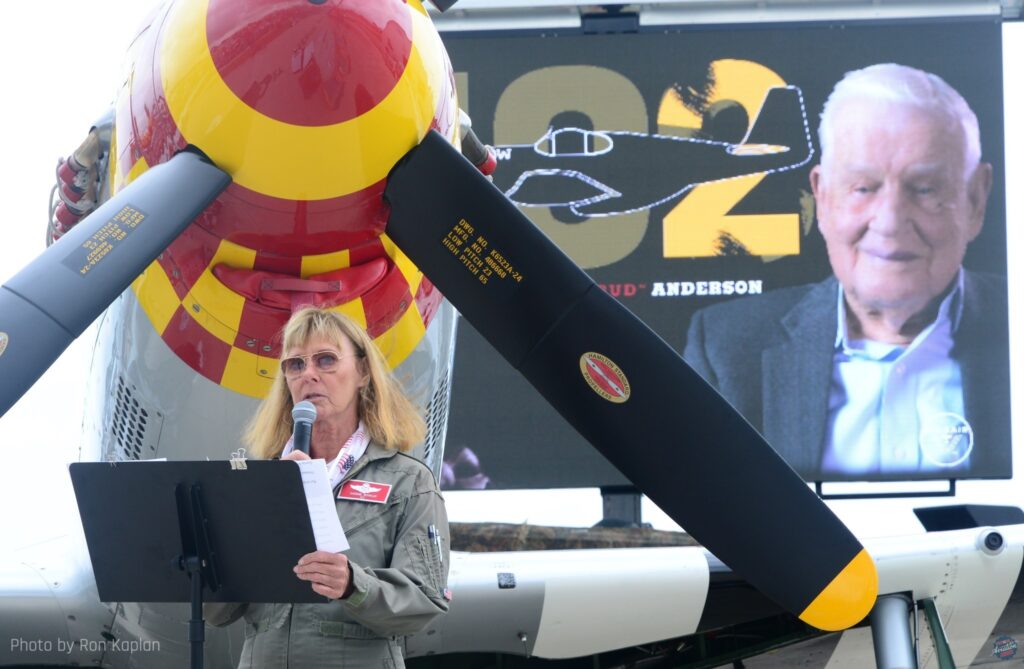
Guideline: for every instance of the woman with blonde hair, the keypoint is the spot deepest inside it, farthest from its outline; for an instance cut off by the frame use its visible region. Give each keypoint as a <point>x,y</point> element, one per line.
<point>392,579</point>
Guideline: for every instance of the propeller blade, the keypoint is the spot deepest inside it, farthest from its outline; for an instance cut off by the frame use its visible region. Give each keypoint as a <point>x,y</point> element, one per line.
<point>625,390</point>
<point>51,301</point>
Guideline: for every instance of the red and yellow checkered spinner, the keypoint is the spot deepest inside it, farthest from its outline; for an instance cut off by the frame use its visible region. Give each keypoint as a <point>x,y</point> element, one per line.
<point>307,105</point>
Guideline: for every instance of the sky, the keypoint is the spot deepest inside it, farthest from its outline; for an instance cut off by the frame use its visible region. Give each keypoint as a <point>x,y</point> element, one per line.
<point>59,69</point>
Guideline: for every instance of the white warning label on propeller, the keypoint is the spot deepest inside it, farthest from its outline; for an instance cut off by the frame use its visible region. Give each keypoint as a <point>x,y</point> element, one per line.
<point>604,377</point>
<point>3,342</point>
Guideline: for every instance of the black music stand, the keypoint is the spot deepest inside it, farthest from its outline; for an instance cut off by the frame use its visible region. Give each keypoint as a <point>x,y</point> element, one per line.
<point>174,531</point>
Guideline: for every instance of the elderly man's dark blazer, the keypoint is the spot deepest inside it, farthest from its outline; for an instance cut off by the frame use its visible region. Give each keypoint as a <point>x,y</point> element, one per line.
<point>771,356</point>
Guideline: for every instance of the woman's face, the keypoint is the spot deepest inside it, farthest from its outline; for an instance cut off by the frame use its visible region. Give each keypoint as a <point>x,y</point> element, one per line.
<point>332,384</point>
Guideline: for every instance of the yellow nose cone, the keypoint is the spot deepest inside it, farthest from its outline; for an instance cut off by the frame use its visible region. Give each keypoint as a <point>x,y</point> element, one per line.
<point>847,599</point>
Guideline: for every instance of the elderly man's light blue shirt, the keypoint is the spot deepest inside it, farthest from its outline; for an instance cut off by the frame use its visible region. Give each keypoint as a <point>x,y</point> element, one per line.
<point>895,409</point>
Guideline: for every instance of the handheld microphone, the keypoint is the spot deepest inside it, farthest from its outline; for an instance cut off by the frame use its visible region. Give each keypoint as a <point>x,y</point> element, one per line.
<point>303,415</point>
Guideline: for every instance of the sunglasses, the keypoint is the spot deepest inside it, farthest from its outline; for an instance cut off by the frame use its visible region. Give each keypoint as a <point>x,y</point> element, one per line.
<point>322,361</point>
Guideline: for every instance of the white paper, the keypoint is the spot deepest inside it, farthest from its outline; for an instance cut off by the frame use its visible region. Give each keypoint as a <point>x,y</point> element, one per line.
<point>327,528</point>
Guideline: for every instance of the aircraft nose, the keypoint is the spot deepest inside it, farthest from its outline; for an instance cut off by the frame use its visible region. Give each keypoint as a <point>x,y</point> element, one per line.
<point>300,100</point>
<point>310,62</point>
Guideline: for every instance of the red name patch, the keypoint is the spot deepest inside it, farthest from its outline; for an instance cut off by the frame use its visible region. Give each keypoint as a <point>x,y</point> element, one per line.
<point>365,491</point>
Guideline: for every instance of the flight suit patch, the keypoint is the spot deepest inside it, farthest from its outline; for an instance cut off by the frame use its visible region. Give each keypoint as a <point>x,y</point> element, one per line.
<point>365,491</point>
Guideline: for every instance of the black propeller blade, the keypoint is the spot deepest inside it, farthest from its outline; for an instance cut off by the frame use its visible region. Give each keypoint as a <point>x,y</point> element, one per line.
<point>626,390</point>
<point>46,305</point>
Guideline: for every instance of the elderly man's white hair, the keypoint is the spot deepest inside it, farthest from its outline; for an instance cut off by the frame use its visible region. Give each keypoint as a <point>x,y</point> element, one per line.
<point>906,86</point>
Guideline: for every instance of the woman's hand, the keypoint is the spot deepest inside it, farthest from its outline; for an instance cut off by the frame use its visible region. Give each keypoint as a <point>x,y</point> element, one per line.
<point>295,455</point>
<point>329,573</point>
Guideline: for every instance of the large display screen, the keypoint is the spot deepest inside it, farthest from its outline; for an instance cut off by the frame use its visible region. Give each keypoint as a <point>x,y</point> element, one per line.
<point>855,313</point>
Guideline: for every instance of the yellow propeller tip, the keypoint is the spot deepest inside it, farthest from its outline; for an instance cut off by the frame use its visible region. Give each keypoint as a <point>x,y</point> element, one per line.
<point>847,599</point>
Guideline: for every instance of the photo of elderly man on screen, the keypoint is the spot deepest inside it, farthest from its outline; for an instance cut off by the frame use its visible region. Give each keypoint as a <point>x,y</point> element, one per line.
<point>896,366</point>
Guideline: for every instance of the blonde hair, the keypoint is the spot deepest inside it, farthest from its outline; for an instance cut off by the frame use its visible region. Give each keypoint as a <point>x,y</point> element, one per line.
<point>391,419</point>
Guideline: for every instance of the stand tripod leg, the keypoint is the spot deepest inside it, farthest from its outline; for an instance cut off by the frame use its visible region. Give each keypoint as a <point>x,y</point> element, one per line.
<point>196,625</point>
<point>197,561</point>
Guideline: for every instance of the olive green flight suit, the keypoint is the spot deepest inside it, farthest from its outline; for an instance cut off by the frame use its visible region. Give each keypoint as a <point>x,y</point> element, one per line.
<point>399,579</point>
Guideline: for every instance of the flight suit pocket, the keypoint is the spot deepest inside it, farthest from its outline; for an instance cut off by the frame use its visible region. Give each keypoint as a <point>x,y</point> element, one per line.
<point>428,554</point>
<point>262,618</point>
<point>266,635</point>
<point>345,644</point>
<point>363,516</point>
